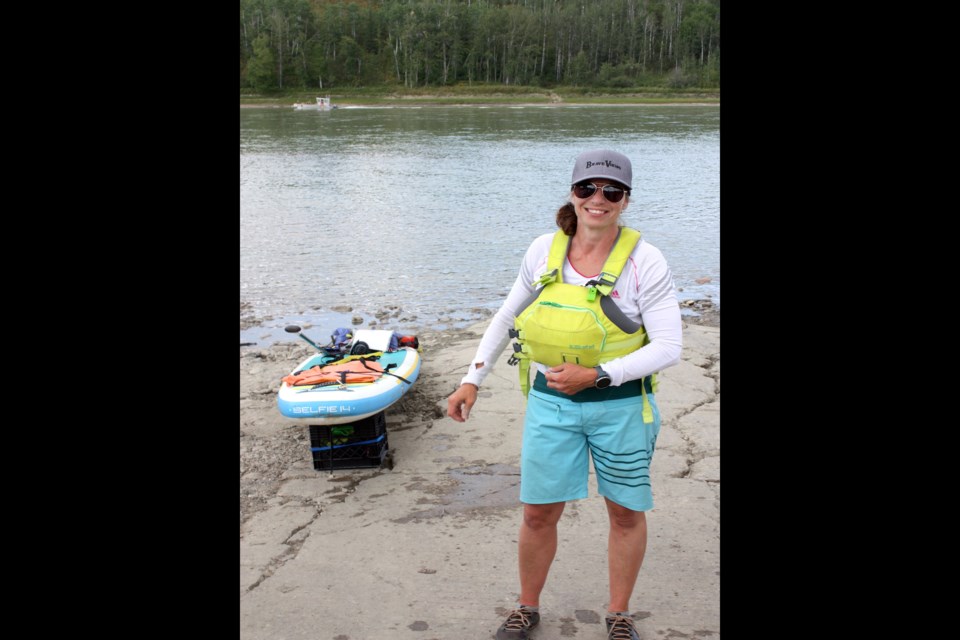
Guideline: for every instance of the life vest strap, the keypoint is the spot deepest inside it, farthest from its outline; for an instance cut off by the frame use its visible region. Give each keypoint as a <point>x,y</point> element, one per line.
<point>392,365</point>
<point>374,355</point>
<point>647,412</point>
<point>521,358</point>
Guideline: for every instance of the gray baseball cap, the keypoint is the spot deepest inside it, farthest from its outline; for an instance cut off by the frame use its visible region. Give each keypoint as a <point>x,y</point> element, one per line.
<point>603,163</point>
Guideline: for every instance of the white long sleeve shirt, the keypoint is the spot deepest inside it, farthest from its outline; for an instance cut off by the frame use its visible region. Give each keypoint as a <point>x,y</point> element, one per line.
<point>644,292</point>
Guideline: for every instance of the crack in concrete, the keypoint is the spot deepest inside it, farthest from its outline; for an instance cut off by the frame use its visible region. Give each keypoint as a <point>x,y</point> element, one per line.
<point>293,543</point>
<point>711,373</point>
<point>691,457</point>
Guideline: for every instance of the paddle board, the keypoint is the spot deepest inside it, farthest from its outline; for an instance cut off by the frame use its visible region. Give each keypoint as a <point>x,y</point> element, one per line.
<point>343,400</point>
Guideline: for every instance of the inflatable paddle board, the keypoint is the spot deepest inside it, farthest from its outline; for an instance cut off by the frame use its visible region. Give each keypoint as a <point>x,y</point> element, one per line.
<point>338,389</point>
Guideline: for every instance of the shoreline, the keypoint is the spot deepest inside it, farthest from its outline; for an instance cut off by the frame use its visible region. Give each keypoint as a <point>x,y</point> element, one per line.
<point>417,104</point>
<point>702,312</point>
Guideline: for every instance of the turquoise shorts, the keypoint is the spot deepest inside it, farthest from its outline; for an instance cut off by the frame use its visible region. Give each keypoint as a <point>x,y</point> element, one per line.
<point>558,434</point>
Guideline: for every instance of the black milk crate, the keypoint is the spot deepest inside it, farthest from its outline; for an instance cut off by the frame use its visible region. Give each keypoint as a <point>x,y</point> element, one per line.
<point>352,445</point>
<point>361,455</point>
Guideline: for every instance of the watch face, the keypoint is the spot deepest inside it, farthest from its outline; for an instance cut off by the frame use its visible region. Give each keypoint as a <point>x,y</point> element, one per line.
<point>603,383</point>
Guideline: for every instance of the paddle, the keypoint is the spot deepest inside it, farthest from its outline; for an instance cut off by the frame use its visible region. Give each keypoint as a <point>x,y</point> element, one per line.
<point>292,328</point>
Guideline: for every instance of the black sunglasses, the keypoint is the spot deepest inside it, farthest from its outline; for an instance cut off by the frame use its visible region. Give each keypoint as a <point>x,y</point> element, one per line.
<point>587,189</point>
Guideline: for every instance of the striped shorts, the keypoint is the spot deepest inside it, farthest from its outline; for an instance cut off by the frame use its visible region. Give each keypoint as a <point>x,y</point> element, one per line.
<point>560,436</point>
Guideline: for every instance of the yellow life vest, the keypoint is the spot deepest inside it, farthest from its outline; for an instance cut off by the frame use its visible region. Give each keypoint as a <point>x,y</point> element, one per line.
<point>563,322</point>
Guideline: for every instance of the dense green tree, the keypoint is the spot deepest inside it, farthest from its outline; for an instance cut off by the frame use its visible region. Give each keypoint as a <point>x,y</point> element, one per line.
<point>261,67</point>
<point>616,43</point>
<point>578,72</point>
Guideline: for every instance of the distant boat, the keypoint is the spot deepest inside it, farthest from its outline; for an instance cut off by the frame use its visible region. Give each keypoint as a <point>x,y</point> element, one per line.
<point>323,104</point>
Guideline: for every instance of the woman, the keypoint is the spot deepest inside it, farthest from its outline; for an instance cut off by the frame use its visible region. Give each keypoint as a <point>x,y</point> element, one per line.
<point>594,311</point>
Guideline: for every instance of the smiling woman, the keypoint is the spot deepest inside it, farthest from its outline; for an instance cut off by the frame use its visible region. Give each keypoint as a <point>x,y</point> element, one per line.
<point>595,313</point>
<point>602,180</point>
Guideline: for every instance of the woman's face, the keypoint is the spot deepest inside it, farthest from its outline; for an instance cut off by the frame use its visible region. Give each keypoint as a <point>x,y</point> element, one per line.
<point>596,211</point>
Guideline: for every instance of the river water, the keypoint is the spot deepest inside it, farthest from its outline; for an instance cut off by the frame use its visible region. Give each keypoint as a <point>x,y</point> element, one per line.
<point>425,213</point>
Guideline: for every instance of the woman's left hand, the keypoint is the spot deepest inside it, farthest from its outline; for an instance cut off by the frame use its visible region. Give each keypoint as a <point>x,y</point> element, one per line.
<point>570,378</point>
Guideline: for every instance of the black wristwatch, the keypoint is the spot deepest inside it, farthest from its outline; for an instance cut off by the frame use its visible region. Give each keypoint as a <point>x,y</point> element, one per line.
<point>603,379</point>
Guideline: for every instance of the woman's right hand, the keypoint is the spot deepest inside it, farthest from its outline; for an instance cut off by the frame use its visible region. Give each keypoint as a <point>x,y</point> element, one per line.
<point>460,402</point>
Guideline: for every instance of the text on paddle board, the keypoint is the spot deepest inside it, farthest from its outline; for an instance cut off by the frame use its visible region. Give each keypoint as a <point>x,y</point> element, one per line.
<point>328,409</point>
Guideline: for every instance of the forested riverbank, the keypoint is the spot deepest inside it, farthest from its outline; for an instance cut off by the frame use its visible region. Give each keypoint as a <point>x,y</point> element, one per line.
<point>608,45</point>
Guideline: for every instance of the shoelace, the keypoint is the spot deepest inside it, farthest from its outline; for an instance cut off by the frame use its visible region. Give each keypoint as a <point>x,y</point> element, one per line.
<point>621,628</point>
<point>518,620</point>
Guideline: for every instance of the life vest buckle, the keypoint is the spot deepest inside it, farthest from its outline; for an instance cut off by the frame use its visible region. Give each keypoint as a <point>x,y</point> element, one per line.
<point>546,278</point>
<point>514,359</point>
<point>603,285</point>
<point>607,279</point>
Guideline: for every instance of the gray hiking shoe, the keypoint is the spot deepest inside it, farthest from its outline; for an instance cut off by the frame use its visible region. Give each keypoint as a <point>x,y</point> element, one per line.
<point>518,624</point>
<point>621,628</point>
